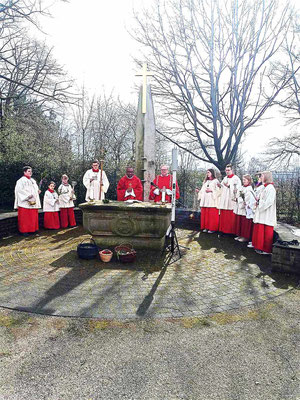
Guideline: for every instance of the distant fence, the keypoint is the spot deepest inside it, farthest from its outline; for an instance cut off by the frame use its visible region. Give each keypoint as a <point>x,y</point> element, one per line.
<point>287,184</point>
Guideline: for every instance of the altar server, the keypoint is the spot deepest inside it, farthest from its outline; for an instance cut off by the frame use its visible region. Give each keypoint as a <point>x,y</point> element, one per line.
<point>66,197</point>
<point>229,189</point>
<point>27,201</point>
<point>245,210</point>
<point>91,181</point>
<point>51,208</point>
<point>265,216</point>
<point>258,188</point>
<point>208,197</point>
<point>130,187</point>
<point>163,186</point>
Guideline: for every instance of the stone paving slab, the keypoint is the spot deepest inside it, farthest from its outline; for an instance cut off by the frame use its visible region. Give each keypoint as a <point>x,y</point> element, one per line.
<point>43,274</point>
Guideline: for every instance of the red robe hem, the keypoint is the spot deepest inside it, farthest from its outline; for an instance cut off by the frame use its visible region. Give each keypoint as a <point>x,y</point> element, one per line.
<point>28,220</point>
<point>227,221</point>
<point>262,237</point>
<point>209,218</point>
<point>51,220</point>
<point>246,227</point>
<point>67,217</point>
<point>238,224</point>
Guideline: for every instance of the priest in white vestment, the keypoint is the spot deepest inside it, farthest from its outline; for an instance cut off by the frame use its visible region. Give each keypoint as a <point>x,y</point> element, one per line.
<point>91,181</point>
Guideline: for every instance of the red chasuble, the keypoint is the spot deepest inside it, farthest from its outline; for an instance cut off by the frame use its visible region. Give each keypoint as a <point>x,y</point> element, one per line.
<point>162,181</point>
<point>125,183</point>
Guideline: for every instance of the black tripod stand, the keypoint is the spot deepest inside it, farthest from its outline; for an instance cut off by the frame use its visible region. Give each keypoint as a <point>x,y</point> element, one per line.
<point>171,249</point>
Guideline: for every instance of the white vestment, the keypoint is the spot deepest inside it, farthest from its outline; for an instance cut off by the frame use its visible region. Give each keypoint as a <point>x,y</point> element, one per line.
<point>227,193</point>
<point>209,199</point>
<point>265,213</point>
<point>66,196</point>
<point>50,203</point>
<point>93,187</point>
<point>24,188</point>
<point>246,201</point>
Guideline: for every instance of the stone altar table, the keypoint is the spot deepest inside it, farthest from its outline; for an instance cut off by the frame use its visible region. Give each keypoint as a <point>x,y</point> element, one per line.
<point>144,225</point>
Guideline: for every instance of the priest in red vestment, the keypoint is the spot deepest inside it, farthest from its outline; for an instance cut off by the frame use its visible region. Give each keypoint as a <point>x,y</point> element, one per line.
<point>163,182</point>
<point>130,187</point>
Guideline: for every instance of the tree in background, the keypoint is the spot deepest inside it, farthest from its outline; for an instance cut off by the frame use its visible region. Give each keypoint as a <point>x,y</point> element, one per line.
<point>284,152</point>
<point>104,127</point>
<point>210,59</point>
<point>28,72</point>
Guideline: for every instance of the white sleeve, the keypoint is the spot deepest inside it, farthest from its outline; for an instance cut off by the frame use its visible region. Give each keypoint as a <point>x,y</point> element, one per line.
<point>20,191</point>
<point>268,200</point>
<point>49,199</point>
<point>105,182</point>
<point>86,179</point>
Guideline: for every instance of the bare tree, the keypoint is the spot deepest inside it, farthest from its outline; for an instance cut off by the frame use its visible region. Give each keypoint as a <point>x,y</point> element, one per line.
<point>82,119</point>
<point>284,152</point>
<point>28,73</point>
<point>104,124</point>
<point>13,11</point>
<point>211,59</point>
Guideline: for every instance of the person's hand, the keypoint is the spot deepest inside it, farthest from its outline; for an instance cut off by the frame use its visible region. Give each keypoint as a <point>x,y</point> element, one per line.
<point>129,190</point>
<point>208,191</point>
<point>219,185</point>
<point>226,184</point>
<point>39,191</point>
<point>197,190</point>
<point>92,179</point>
<point>31,197</point>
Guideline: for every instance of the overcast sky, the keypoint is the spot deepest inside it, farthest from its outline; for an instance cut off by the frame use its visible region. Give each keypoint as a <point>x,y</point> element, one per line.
<point>90,39</point>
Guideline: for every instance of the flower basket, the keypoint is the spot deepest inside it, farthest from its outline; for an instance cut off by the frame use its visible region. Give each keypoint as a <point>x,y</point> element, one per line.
<point>125,253</point>
<point>105,255</point>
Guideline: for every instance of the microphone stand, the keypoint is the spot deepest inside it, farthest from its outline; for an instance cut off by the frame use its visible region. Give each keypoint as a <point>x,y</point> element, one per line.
<point>172,246</point>
<point>101,175</point>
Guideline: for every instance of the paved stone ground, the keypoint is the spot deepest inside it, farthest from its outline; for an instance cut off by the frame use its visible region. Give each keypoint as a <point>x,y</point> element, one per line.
<point>43,274</point>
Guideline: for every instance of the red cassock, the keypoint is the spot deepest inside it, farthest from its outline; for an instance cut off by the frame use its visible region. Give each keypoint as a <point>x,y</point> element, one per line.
<point>162,181</point>
<point>28,220</point>
<point>67,217</point>
<point>126,183</point>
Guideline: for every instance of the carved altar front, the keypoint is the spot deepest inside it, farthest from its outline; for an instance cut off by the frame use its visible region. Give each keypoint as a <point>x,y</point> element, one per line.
<point>144,225</point>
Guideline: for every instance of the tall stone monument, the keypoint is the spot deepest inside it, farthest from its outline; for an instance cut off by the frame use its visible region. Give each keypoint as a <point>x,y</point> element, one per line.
<point>145,135</point>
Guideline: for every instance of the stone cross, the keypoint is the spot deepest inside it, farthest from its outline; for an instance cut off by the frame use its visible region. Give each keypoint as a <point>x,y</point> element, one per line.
<point>144,73</point>
<point>145,136</point>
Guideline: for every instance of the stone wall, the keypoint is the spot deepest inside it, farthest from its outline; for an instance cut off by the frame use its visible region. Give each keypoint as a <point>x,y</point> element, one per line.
<point>286,258</point>
<point>9,222</point>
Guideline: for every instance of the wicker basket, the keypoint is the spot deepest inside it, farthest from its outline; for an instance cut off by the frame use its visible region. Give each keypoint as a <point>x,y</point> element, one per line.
<point>87,251</point>
<point>125,253</point>
<point>105,255</point>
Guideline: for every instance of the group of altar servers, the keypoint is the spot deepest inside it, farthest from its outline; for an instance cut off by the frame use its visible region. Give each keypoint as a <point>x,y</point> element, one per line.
<point>237,208</point>
<point>230,206</point>
<point>58,207</point>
